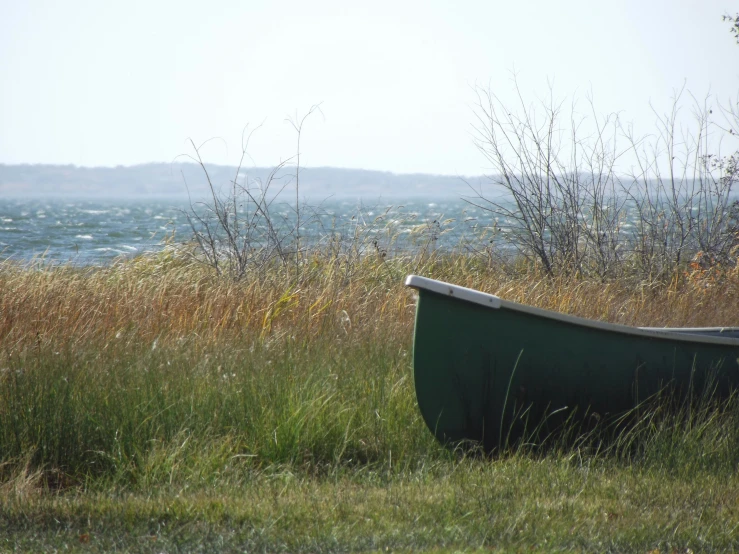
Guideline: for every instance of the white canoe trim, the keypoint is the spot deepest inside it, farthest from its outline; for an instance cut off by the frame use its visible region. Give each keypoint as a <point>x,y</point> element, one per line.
<point>463,293</point>
<point>494,302</point>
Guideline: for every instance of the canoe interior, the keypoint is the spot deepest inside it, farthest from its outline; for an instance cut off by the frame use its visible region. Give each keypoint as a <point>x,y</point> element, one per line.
<point>496,375</point>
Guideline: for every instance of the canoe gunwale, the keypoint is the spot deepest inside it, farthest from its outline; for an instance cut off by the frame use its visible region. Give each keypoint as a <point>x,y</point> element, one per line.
<point>681,334</point>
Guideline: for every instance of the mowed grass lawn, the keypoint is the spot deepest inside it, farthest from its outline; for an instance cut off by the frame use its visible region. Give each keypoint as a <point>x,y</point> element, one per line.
<point>149,406</point>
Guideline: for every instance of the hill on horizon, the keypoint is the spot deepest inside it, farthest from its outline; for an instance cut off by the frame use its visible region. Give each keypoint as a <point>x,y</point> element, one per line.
<point>179,179</point>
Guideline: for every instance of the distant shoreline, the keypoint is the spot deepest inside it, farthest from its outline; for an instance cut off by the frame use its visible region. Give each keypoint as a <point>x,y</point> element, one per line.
<point>169,180</point>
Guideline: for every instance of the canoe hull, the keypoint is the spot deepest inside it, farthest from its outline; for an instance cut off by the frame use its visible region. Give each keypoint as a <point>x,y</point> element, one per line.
<point>492,375</point>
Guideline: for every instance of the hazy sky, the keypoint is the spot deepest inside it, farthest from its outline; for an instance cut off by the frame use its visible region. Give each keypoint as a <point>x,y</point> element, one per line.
<point>109,82</point>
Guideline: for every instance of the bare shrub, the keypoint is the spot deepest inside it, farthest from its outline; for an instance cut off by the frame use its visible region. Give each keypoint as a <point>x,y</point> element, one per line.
<point>566,213</point>
<point>568,205</point>
<point>680,194</point>
<point>236,230</point>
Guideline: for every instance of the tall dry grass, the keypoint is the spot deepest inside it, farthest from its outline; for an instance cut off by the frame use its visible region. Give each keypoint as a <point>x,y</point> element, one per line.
<point>168,296</point>
<point>153,370</point>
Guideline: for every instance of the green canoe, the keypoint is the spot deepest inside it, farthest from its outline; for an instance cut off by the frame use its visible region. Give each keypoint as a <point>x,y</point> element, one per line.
<point>490,371</point>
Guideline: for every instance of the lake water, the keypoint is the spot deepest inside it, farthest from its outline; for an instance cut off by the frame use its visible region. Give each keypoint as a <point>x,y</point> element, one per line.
<point>93,232</point>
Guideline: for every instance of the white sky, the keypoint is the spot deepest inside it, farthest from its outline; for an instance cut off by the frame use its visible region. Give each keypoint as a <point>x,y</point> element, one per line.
<point>110,82</point>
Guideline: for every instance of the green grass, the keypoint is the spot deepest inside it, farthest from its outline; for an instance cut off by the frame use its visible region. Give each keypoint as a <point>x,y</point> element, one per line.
<point>147,407</point>
<point>147,414</point>
<point>515,504</point>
